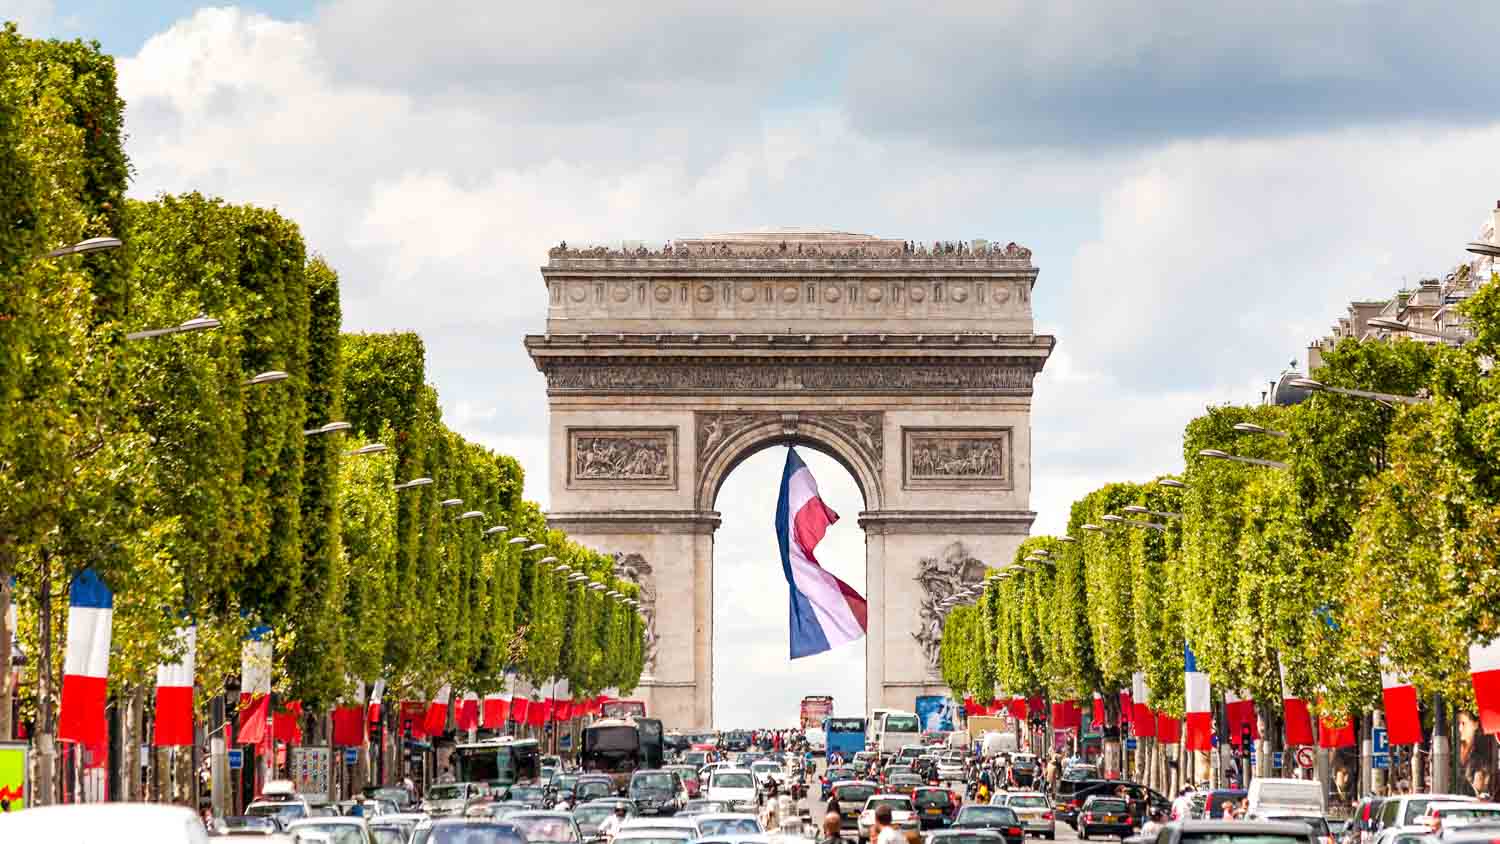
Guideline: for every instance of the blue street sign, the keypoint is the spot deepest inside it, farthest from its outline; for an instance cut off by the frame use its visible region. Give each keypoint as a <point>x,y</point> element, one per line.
<point>1131,743</point>
<point>1276,759</point>
<point>1379,741</point>
<point>236,760</point>
<point>351,755</point>
<point>1380,760</point>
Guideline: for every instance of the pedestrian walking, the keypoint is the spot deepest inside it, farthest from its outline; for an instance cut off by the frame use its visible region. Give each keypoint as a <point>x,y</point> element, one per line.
<point>832,829</point>
<point>883,832</point>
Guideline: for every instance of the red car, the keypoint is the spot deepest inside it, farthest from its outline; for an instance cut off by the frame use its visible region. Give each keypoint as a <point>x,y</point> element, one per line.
<point>689,776</point>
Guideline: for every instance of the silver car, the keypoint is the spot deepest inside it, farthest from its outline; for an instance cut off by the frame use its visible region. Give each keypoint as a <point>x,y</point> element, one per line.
<point>1033,808</point>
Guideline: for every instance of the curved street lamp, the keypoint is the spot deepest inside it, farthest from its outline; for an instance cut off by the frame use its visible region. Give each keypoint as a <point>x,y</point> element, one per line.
<point>1398,326</point>
<point>329,428</point>
<point>450,502</point>
<point>1216,454</point>
<point>1319,386</point>
<point>414,483</point>
<point>537,546</point>
<point>83,247</point>
<point>1171,483</point>
<point>1142,511</point>
<point>372,448</point>
<point>517,540</point>
<point>1121,520</point>
<point>491,531</point>
<point>1252,428</point>
<point>201,323</point>
<point>472,514</point>
<point>270,376</point>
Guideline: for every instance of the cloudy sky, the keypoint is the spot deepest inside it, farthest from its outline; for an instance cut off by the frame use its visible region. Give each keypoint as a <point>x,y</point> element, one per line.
<point>1204,186</point>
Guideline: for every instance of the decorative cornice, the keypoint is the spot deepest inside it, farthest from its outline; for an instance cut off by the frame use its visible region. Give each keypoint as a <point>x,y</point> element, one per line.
<point>955,522</point>
<point>690,342</point>
<point>1005,376</point>
<point>793,252</point>
<point>635,521</point>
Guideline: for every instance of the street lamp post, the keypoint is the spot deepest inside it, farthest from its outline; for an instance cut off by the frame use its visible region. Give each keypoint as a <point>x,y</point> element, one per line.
<point>1398,326</point>
<point>1252,461</point>
<point>1142,511</point>
<point>83,247</point>
<point>413,483</point>
<point>1319,386</point>
<point>372,448</point>
<point>1252,428</point>
<point>1121,520</point>
<point>201,323</point>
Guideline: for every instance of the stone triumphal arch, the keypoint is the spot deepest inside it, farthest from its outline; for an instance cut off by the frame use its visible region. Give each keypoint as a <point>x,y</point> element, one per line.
<point>911,365</point>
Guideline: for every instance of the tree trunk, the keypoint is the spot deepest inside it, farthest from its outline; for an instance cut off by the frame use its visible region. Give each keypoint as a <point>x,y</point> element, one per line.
<point>7,565</point>
<point>46,747</point>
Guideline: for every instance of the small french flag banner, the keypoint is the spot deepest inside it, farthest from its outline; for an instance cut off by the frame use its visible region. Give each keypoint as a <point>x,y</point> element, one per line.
<point>375,695</point>
<point>86,664</point>
<point>437,711</point>
<point>467,716</point>
<point>173,725</point>
<point>1239,715</point>
<point>1295,715</point>
<point>496,709</point>
<point>1143,720</point>
<point>255,687</point>
<point>1484,673</point>
<point>1403,720</point>
<point>1199,716</point>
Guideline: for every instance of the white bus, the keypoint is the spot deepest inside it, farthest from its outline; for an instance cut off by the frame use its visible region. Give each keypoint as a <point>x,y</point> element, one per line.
<point>897,730</point>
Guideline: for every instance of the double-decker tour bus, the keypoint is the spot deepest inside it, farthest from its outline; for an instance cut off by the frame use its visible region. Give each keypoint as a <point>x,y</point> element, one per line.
<point>498,762</point>
<point>620,747</point>
<point>623,709</point>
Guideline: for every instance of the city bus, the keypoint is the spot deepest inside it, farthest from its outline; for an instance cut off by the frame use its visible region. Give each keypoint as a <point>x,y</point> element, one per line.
<point>498,762</point>
<point>897,730</point>
<point>845,736</point>
<point>620,747</point>
<point>623,709</point>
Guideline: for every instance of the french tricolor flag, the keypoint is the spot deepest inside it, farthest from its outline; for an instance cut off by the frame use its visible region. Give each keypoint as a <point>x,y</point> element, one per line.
<point>1484,673</point>
<point>1199,718</point>
<point>86,665</point>
<point>825,612</point>
<point>173,725</point>
<point>467,716</point>
<point>1403,720</point>
<point>1142,720</point>
<point>255,687</point>
<point>375,695</point>
<point>437,711</point>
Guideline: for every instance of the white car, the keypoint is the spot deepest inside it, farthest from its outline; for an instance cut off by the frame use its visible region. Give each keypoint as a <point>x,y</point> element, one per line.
<point>903,813</point>
<point>338,830</point>
<point>127,823</point>
<point>727,825</point>
<point>950,767</point>
<point>1446,814</point>
<point>451,798</point>
<point>736,787</point>
<point>766,769</point>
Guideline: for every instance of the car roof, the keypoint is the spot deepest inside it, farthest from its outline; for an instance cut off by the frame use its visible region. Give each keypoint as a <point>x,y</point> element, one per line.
<point>657,832</point>
<point>542,813</point>
<point>658,823</point>
<point>1246,827</point>
<point>340,820</point>
<point>890,796</point>
<point>734,770</point>
<point>1461,804</point>
<point>728,816</point>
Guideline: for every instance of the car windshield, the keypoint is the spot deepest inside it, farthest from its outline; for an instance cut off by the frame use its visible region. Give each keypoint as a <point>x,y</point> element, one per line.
<point>852,793</point>
<point>1239,838</point>
<point>388,835</point>
<point>1106,806</point>
<point>1031,802</point>
<point>962,839</point>
<point>278,810</point>
<point>997,814</point>
<point>763,767</point>
<point>934,797</point>
<point>897,804</point>
<point>550,828</point>
<point>593,787</point>
<point>527,792</point>
<point>1319,826</point>
<point>1023,762</point>
<point>593,814</point>
<point>1467,813</point>
<point>445,792</point>
<point>652,783</point>
<point>470,832</point>
<point>733,781</point>
<point>686,772</point>
<point>728,826</point>
<point>338,833</point>
<point>901,723</point>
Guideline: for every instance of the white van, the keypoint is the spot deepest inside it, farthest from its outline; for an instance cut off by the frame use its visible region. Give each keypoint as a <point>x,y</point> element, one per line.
<point>1284,795</point>
<point>897,730</point>
<point>998,743</point>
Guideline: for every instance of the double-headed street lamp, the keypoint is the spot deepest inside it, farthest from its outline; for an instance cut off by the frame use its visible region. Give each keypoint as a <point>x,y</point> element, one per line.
<point>1216,454</point>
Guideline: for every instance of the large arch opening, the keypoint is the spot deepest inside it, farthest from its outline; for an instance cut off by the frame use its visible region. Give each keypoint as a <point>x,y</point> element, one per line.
<point>755,684</point>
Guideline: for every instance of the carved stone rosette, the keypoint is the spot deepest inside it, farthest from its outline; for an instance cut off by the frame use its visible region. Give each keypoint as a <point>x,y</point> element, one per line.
<point>957,458</point>
<point>944,574</point>
<point>635,569</point>
<point>618,458</point>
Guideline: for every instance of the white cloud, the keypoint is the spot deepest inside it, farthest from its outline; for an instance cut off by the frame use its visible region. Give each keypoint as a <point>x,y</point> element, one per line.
<point>1176,276</point>
<point>28,15</point>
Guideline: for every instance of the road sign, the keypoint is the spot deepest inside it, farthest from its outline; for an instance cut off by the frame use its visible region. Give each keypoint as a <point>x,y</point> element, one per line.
<point>1379,741</point>
<point>236,760</point>
<point>1277,759</point>
<point>1380,760</point>
<point>1304,757</point>
<point>351,755</point>
<point>1131,743</point>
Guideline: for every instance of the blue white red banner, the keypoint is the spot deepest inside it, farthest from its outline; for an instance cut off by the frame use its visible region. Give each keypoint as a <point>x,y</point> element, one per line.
<point>825,612</point>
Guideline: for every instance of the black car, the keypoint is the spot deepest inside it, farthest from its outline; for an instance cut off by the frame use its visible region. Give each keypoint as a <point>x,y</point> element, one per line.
<point>1022,772</point>
<point>656,792</point>
<point>965,836</point>
<point>1140,800</point>
<point>1105,816</point>
<point>996,818</point>
<point>594,787</point>
<point>936,807</point>
<point>534,796</point>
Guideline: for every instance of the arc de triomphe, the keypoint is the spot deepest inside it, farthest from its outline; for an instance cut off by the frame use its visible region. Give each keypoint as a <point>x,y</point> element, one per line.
<point>910,365</point>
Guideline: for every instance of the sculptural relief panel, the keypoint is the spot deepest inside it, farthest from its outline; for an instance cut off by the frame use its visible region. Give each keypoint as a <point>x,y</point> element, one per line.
<point>957,458</point>
<point>952,570</point>
<point>634,569</point>
<point>622,458</point>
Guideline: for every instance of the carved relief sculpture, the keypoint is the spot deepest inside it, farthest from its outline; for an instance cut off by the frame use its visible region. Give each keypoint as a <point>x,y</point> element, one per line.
<point>950,571</point>
<point>740,378</point>
<point>634,569</point>
<point>958,458</point>
<point>622,457</point>
<point>865,430</point>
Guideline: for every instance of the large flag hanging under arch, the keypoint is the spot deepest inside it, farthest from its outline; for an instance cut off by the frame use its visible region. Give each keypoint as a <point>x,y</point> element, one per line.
<point>825,612</point>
